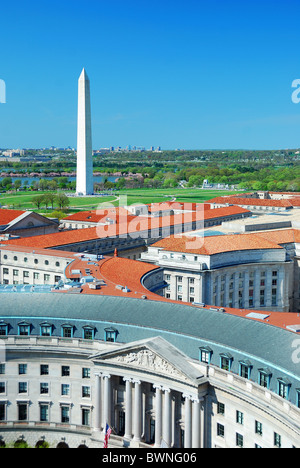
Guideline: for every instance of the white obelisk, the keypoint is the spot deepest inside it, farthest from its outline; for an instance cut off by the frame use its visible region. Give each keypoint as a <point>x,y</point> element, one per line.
<point>84,176</point>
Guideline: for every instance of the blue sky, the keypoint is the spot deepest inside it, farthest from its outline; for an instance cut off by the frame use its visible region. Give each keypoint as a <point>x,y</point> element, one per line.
<point>187,74</point>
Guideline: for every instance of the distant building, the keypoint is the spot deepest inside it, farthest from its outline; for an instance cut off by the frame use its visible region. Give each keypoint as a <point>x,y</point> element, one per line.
<point>25,223</point>
<point>255,270</point>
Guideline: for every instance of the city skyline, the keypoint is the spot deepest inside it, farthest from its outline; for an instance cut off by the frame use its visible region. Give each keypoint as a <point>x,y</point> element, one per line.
<point>175,75</point>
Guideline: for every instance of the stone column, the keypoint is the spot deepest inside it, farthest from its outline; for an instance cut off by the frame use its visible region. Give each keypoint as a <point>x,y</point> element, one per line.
<point>226,292</point>
<point>202,423</point>
<point>187,422</point>
<point>281,298</point>
<point>128,408</point>
<point>268,288</point>
<point>196,429</point>
<point>257,289</point>
<point>246,290</point>
<point>107,400</point>
<point>137,410</point>
<point>97,410</point>
<point>158,415</point>
<point>167,417</point>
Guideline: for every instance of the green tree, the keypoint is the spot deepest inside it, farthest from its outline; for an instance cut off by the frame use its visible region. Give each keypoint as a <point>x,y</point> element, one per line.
<point>62,200</point>
<point>38,200</point>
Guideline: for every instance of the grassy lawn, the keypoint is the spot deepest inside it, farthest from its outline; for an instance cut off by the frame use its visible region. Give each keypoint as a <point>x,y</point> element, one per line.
<point>189,195</point>
<point>23,201</point>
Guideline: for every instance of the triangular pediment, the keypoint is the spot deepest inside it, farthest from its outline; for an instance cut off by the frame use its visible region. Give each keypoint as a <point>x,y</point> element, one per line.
<point>155,355</point>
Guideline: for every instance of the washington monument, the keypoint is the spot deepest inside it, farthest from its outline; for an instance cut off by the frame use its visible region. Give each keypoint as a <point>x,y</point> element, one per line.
<point>84,176</point>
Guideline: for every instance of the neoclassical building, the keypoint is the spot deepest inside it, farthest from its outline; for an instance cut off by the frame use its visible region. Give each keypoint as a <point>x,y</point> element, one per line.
<point>250,271</point>
<point>154,370</point>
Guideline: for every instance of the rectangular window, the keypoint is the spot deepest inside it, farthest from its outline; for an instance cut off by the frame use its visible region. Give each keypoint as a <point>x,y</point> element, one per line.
<point>24,330</point>
<point>2,369</point>
<point>46,330</point>
<point>88,333</point>
<point>65,389</point>
<point>44,388</point>
<point>2,412</point>
<point>67,332</point>
<point>205,356</point>
<point>86,392</point>
<point>221,408</point>
<point>2,387</point>
<point>44,413</point>
<point>225,363</point>
<point>220,430</point>
<point>283,390</point>
<point>239,440</point>
<point>86,416</point>
<point>22,412</point>
<point>244,371</point>
<point>22,369</point>
<point>274,297</point>
<point>65,414</point>
<point>258,428</point>
<point>277,440</point>
<point>23,387</point>
<point>65,371</point>
<point>240,417</point>
<point>44,369</point>
<point>86,373</point>
<point>263,379</point>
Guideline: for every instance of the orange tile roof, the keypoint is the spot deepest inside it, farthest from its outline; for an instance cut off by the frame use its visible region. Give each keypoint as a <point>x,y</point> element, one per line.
<point>251,202</point>
<point>96,216</point>
<point>7,216</point>
<point>212,245</point>
<point>126,225</point>
<point>116,271</point>
<point>281,236</point>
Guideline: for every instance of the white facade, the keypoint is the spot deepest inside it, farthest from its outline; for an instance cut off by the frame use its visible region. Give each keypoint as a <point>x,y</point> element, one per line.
<point>258,279</point>
<point>62,389</point>
<point>84,179</point>
<point>33,268</point>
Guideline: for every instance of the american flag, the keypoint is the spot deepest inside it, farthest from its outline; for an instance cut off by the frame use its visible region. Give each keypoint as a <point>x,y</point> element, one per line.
<point>107,435</point>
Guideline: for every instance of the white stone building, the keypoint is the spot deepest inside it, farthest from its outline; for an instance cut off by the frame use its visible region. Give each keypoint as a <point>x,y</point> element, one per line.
<point>236,271</point>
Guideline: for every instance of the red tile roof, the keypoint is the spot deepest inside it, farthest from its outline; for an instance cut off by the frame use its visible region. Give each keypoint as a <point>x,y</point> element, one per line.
<point>116,271</point>
<point>7,216</point>
<point>251,202</point>
<point>212,245</point>
<point>125,225</point>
